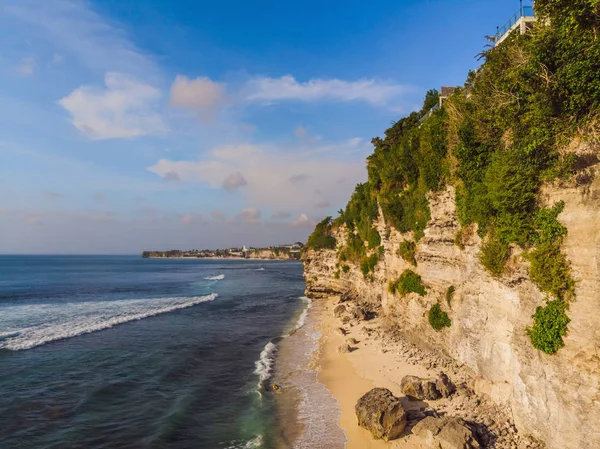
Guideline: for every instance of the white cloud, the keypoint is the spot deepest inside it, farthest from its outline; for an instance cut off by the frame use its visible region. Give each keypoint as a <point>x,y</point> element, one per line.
<point>303,222</point>
<point>124,109</point>
<point>281,178</point>
<point>27,67</point>
<point>234,181</point>
<point>265,89</point>
<point>249,214</point>
<point>201,94</point>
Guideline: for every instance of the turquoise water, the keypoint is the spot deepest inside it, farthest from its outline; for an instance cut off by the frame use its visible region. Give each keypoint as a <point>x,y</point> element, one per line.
<point>105,352</point>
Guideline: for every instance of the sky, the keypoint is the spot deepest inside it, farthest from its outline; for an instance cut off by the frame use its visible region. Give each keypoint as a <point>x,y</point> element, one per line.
<point>177,124</point>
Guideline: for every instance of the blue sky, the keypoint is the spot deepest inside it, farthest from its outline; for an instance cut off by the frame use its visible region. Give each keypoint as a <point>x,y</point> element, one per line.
<point>129,125</point>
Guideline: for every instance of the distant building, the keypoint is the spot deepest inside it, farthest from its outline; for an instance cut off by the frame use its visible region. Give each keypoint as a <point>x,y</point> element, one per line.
<point>445,92</point>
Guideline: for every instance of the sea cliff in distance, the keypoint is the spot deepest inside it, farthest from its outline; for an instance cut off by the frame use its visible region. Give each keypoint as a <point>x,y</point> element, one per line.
<point>282,252</point>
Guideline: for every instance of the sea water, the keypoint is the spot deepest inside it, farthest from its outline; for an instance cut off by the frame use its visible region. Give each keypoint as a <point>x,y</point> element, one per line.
<point>125,352</point>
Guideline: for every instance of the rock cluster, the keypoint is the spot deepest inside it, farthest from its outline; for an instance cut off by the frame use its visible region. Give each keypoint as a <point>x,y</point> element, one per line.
<point>427,389</point>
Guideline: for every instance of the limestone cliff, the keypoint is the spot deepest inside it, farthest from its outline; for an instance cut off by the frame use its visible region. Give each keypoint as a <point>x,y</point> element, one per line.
<point>555,398</point>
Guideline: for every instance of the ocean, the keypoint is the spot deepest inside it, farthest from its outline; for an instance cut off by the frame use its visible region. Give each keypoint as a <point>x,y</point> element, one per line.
<point>125,352</point>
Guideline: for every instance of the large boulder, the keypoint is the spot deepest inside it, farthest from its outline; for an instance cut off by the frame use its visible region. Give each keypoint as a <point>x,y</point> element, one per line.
<point>444,433</point>
<point>418,388</point>
<point>381,413</point>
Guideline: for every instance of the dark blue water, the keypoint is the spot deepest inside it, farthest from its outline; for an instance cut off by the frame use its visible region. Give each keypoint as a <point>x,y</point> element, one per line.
<point>124,352</point>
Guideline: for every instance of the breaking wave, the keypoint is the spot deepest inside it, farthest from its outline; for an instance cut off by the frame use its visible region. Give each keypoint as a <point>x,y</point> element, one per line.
<point>215,278</point>
<point>264,365</point>
<point>44,323</point>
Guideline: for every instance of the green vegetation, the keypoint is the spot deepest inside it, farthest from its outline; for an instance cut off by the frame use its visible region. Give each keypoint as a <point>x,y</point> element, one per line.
<point>494,254</point>
<point>345,268</point>
<point>547,228</point>
<point>551,272</point>
<point>450,295</point>
<point>496,140</point>
<point>437,318</point>
<point>407,251</point>
<point>409,282</point>
<point>368,264</point>
<point>321,237</point>
<point>549,326</point>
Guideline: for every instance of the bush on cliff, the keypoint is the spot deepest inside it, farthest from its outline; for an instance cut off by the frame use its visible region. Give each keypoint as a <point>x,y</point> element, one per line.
<point>550,270</point>
<point>407,251</point>
<point>409,282</point>
<point>437,318</point>
<point>549,327</point>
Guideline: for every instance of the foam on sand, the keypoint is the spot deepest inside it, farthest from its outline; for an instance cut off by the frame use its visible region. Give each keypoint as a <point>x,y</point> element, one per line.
<point>33,325</point>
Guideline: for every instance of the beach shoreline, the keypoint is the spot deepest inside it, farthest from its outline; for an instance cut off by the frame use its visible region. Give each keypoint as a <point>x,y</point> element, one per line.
<point>348,376</point>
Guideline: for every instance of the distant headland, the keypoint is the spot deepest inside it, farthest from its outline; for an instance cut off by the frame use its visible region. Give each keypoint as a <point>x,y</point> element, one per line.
<point>282,252</point>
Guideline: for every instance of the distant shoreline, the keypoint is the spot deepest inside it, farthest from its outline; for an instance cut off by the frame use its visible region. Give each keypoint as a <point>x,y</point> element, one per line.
<point>224,258</point>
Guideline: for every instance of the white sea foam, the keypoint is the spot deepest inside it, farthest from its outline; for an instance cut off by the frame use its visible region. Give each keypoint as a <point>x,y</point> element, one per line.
<point>215,278</point>
<point>264,365</point>
<point>36,324</point>
<point>302,318</point>
<point>254,443</point>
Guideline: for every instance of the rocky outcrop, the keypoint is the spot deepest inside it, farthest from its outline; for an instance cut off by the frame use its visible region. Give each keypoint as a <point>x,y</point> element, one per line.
<point>445,433</point>
<point>554,398</point>
<point>381,413</point>
<point>427,389</point>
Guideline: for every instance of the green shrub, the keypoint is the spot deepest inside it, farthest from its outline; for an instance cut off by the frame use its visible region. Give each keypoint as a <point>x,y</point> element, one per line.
<point>450,294</point>
<point>437,318</point>
<point>368,264</point>
<point>547,228</point>
<point>321,237</point>
<point>409,282</point>
<point>407,251</point>
<point>345,268</point>
<point>550,270</point>
<point>494,254</point>
<point>549,326</point>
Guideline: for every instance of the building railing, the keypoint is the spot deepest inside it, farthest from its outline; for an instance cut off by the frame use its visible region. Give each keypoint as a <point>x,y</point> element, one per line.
<point>428,113</point>
<point>524,11</point>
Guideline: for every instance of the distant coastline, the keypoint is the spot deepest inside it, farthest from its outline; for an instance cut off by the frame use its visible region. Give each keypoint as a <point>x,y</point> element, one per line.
<point>282,252</point>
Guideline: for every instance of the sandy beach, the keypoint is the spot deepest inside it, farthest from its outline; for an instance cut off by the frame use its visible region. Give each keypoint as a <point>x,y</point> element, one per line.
<point>348,376</point>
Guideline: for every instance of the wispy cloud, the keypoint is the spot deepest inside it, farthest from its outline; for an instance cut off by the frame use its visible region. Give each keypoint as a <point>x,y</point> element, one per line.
<point>125,108</point>
<point>277,177</point>
<point>375,92</point>
<point>77,31</point>
<point>249,214</point>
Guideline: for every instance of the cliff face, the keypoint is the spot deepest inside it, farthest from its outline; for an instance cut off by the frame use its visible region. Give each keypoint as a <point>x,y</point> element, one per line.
<point>555,398</point>
<point>269,254</point>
